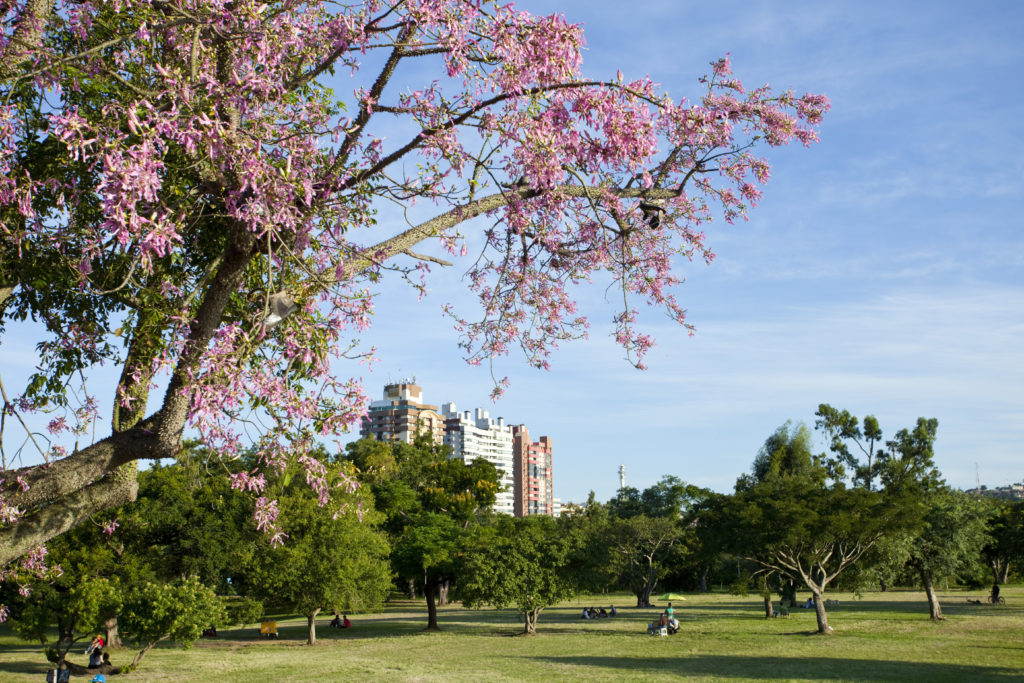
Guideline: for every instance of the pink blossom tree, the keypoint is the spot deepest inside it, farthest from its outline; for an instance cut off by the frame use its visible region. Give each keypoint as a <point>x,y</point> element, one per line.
<point>188,191</point>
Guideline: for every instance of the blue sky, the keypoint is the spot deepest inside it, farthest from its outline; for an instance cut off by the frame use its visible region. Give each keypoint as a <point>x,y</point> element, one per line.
<point>883,272</point>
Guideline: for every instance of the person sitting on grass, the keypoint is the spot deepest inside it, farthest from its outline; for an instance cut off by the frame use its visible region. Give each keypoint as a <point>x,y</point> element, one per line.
<point>95,659</point>
<point>673,626</point>
<point>603,614</point>
<point>96,644</point>
<point>345,623</point>
<point>336,621</point>
<point>612,612</point>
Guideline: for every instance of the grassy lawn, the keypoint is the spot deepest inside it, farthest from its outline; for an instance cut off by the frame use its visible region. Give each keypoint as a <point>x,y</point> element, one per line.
<point>881,637</point>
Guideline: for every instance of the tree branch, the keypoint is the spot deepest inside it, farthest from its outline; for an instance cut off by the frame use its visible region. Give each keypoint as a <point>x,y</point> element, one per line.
<point>39,527</point>
<point>407,239</point>
<point>65,476</point>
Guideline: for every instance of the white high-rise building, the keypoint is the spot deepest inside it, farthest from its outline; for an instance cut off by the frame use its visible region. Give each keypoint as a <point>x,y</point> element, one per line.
<point>475,435</point>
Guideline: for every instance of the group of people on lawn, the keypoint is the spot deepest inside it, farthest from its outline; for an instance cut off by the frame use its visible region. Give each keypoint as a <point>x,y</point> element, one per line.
<point>593,613</point>
<point>340,622</point>
<point>666,625</point>
<point>98,659</point>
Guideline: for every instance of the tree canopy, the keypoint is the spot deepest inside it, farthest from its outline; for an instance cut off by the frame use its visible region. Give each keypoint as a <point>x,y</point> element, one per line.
<point>189,193</point>
<point>430,501</point>
<point>791,518</point>
<point>520,561</point>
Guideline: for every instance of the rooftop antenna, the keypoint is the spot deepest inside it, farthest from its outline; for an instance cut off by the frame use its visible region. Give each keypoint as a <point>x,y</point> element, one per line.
<point>977,477</point>
<point>622,477</point>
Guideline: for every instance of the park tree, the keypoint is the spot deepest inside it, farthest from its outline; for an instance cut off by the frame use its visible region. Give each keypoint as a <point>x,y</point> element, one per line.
<point>427,551</point>
<point>430,502</point>
<point>91,568</point>
<point>594,570</point>
<point>944,530</point>
<point>189,194</point>
<point>790,518</point>
<point>180,611</point>
<point>639,547</point>
<point>335,557</point>
<point>78,604</point>
<point>951,536</point>
<point>519,561</point>
<point>1006,547</point>
<point>189,521</point>
<point>646,529</point>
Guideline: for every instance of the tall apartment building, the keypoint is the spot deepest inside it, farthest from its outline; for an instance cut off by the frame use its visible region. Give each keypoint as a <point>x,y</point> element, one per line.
<point>534,488</point>
<point>476,435</point>
<point>401,415</point>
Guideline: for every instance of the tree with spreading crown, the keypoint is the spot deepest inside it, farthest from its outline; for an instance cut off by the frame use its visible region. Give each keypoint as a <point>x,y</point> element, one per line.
<point>189,191</point>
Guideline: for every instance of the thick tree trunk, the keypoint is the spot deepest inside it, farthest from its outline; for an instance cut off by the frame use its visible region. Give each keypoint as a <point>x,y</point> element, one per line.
<point>530,619</point>
<point>769,611</point>
<point>311,625</point>
<point>1006,572</point>
<point>410,588</point>
<point>994,566</point>
<point>65,641</point>
<point>766,594</point>
<point>102,476</point>
<point>111,636</point>
<point>703,580</point>
<point>934,608</point>
<point>442,591</point>
<point>819,611</point>
<point>430,589</point>
<point>643,595</point>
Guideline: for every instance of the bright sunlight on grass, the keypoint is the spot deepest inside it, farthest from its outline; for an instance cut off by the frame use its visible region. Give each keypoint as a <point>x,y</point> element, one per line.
<point>880,637</point>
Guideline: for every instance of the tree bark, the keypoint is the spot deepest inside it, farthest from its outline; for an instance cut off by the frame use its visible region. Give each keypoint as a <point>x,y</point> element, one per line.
<point>65,513</point>
<point>430,588</point>
<point>994,566</point>
<point>769,611</point>
<point>704,578</point>
<point>28,33</point>
<point>643,596</point>
<point>410,587</point>
<point>530,619</point>
<point>111,635</point>
<point>142,653</point>
<point>311,626</point>
<point>934,608</point>
<point>102,476</point>
<point>819,611</point>
<point>442,591</point>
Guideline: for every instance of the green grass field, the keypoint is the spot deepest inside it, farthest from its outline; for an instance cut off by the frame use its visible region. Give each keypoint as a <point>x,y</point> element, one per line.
<point>880,637</point>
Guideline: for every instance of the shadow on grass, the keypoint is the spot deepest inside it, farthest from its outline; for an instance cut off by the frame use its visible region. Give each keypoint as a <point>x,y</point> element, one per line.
<point>788,668</point>
<point>30,660</point>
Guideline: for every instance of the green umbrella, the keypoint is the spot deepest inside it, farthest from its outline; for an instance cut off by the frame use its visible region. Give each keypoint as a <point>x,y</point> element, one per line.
<point>671,596</point>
